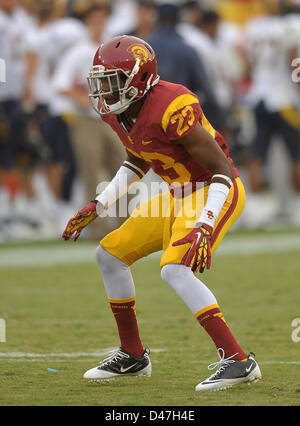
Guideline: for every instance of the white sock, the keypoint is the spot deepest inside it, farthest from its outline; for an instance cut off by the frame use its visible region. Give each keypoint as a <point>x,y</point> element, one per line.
<point>192,291</point>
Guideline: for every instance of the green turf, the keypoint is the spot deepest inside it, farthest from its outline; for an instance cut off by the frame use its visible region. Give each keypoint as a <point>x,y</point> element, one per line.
<point>63,309</point>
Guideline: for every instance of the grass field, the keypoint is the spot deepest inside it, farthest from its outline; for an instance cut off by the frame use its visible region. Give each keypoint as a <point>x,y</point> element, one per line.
<point>57,317</point>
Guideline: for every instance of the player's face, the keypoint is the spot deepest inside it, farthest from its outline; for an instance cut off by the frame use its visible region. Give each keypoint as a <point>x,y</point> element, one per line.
<point>108,90</point>
<point>109,87</point>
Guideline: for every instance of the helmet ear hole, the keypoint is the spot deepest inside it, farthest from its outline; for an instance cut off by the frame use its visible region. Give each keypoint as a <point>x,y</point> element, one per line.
<point>144,76</point>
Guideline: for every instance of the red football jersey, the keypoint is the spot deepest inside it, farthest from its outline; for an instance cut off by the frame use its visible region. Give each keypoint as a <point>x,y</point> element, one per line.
<point>170,112</point>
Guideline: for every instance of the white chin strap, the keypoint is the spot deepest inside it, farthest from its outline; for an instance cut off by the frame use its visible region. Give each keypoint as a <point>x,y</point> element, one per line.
<point>116,108</point>
<point>123,103</point>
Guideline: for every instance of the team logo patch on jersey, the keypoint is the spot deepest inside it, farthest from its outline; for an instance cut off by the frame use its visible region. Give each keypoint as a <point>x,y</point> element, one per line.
<point>139,52</point>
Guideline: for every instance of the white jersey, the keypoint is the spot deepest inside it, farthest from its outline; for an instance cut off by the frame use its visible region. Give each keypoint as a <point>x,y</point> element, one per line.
<point>293,28</point>
<point>268,47</point>
<point>64,34</point>
<point>72,71</point>
<point>39,41</point>
<point>13,28</point>
<point>49,42</point>
<point>230,42</point>
<point>209,54</point>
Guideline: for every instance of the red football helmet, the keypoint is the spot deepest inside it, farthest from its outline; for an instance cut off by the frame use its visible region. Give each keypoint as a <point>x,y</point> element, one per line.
<point>123,71</point>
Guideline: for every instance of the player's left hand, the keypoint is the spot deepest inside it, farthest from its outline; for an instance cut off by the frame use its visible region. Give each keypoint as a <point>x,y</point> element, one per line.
<point>80,220</point>
<point>198,256</point>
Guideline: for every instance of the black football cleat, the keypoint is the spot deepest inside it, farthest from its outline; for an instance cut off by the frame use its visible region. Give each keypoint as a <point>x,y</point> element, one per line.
<point>120,363</point>
<point>230,373</point>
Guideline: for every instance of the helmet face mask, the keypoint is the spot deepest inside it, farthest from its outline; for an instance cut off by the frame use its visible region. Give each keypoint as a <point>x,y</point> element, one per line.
<point>110,91</point>
<point>123,71</point>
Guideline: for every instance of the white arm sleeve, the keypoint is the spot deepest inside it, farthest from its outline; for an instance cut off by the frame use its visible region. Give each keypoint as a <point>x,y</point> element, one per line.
<point>217,195</point>
<point>127,175</point>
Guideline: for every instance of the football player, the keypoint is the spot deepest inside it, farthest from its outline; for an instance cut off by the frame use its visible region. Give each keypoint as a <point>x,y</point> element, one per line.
<point>271,46</point>
<point>162,127</point>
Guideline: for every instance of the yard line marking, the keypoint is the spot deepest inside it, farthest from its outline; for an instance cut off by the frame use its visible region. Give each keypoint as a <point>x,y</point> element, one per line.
<point>61,357</point>
<point>47,255</point>
<point>62,254</point>
<point>241,245</point>
<point>279,362</point>
<point>270,362</point>
<point>99,353</point>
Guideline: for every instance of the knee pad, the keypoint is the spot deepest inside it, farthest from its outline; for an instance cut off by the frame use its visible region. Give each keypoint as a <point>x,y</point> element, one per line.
<point>107,261</point>
<point>172,273</point>
<point>116,274</point>
<point>176,277</point>
<point>166,274</point>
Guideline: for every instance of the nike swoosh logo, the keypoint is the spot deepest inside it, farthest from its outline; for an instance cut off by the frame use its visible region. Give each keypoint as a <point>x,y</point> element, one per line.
<point>199,236</point>
<point>249,368</point>
<point>123,370</point>
<point>146,142</point>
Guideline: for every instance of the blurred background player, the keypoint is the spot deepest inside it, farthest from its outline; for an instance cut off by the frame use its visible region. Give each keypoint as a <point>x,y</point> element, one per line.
<point>146,15</point>
<point>17,155</point>
<point>91,138</point>
<point>204,31</point>
<point>62,174</point>
<point>39,66</point>
<point>186,68</point>
<point>275,102</point>
<point>31,143</point>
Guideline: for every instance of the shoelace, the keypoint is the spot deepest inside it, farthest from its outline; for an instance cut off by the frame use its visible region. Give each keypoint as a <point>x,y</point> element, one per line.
<point>222,363</point>
<point>115,356</point>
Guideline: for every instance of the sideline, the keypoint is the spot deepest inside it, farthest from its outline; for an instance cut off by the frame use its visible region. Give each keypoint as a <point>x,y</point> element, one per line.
<point>70,253</point>
<point>82,356</point>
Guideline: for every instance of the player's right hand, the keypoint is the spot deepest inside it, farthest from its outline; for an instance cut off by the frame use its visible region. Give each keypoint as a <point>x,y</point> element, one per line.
<point>198,255</point>
<point>80,220</point>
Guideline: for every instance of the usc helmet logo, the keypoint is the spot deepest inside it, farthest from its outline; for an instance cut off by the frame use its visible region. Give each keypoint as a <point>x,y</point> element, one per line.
<point>139,52</point>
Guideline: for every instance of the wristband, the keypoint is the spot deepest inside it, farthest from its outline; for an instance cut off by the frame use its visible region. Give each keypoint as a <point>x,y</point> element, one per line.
<point>228,180</point>
<point>216,197</point>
